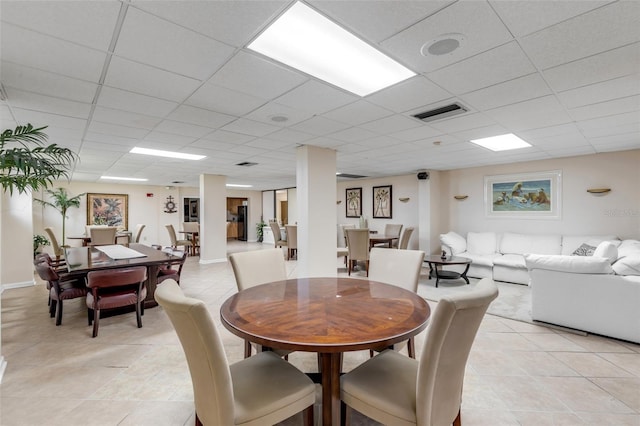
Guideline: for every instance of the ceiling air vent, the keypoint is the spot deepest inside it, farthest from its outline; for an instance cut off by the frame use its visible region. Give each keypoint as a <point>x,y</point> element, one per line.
<point>350,176</point>
<point>246,164</point>
<point>441,112</point>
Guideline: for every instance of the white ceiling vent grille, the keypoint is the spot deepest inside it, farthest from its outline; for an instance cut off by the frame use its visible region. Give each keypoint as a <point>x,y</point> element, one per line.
<point>442,112</point>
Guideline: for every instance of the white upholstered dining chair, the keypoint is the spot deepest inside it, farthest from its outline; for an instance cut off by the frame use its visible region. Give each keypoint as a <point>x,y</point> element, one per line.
<point>357,247</point>
<point>259,390</point>
<point>396,390</point>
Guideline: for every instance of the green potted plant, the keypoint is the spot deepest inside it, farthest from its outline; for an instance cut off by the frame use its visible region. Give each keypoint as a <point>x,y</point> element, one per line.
<point>61,202</point>
<point>259,230</point>
<point>31,165</point>
<point>39,241</point>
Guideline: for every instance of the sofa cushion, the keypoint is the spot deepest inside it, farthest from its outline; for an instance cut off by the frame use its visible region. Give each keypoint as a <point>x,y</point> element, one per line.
<point>524,243</point>
<point>481,242</point>
<point>456,242</point>
<point>584,250</point>
<point>511,261</point>
<point>573,264</point>
<point>629,248</point>
<point>571,242</point>
<point>628,265</point>
<point>607,250</point>
<point>481,259</point>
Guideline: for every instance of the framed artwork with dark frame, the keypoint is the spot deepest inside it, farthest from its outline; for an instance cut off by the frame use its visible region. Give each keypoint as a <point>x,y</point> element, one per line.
<point>382,202</point>
<point>354,202</point>
<point>108,209</point>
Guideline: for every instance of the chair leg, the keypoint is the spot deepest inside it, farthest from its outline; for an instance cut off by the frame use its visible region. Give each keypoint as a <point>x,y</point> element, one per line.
<point>247,349</point>
<point>52,308</point>
<point>96,320</point>
<point>138,315</point>
<point>411,348</point>
<point>90,316</point>
<point>59,313</point>
<point>457,421</point>
<point>367,267</point>
<point>345,411</point>
<point>198,422</point>
<point>307,415</point>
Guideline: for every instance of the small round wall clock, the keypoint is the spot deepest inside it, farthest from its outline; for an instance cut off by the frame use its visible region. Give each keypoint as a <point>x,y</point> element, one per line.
<point>170,205</point>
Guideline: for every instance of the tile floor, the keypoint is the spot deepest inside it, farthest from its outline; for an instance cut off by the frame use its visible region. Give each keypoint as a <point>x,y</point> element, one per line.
<point>518,373</point>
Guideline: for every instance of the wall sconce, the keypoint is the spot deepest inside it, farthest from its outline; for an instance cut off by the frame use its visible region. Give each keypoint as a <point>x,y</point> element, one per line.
<point>598,190</point>
<point>404,199</point>
<point>460,197</point>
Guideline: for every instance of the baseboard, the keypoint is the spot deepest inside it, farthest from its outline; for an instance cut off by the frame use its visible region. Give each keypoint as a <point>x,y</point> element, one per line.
<point>207,262</point>
<point>18,285</point>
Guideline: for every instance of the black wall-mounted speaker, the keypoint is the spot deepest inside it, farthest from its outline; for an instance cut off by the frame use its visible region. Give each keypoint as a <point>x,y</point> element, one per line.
<point>423,175</point>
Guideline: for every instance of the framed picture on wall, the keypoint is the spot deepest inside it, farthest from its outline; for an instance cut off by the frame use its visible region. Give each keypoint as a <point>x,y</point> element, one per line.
<point>382,202</point>
<point>354,202</point>
<point>524,195</point>
<point>108,209</point>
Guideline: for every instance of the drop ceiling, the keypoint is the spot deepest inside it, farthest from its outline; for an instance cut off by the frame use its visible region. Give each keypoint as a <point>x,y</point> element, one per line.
<point>106,76</point>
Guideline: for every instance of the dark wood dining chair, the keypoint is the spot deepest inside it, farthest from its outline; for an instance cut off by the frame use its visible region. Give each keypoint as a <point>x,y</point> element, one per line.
<point>173,268</point>
<point>115,288</point>
<point>59,290</point>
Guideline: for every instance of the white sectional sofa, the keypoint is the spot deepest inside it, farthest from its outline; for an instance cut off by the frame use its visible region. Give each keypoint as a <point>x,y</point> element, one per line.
<point>501,256</point>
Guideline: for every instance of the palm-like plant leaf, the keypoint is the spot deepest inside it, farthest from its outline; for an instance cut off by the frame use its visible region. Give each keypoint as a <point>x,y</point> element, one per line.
<point>26,167</point>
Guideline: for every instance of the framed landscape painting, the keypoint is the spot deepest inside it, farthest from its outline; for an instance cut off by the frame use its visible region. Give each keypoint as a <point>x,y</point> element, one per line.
<point>354,202</point>
<point>524,195</point>
<point>382,202</point>
<point>108,209</point>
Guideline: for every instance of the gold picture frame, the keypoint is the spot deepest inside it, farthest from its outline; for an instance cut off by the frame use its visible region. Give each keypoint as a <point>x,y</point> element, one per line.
<point>108,209</point>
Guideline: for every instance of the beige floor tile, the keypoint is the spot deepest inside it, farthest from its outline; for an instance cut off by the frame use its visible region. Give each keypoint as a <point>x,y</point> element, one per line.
<point>580,394</point>
<point>537,418</point>
<point>96,413</point>
<point>627,390</point>
<point>629,362</point>
<point>590,365</point>
<point>610,419</point>
<point>542,364</point>
<point>553,342</point>
<point>159,413</point>
<point>593,343</point>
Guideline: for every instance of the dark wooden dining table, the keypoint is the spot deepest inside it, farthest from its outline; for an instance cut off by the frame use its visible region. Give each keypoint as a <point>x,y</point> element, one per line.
<point>382,238</point>
<point>86,239</point>
<point>82,260</point>
<point>329,316</point>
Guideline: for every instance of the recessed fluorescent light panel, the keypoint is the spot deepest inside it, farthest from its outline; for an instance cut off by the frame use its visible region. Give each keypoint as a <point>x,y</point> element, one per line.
<point>169,154</point>
<point>306,40</point>
<point>237,185</point>
<point>502,142</point>
<point>123,178</point>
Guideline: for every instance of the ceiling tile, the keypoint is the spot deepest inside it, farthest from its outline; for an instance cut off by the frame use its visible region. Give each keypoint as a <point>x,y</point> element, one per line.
<point>199,116</point>
<point>46,83</point>
<point>476,21</point>
<point>228,137</point>
<point>87,23</point>
<point>601,92</point>
<point>319,126</point>
<point>49,54</point>
<point>266,112</point>
<point>486,69</point>
<point>247,73</point>
<point>147,80</point>
<point>357,113</point>
<point>391,124</point>
<point>117,130</point>
<point>183,129</point>
<point>510,92</point>
<point>232,22</point>
<point>462,122</point>
<point>410,94</point>
<point>416,133</point>
<point>36,102</point>
<point>250,127</point>
<point>540,112</point>
<point>379,19</point>
<point>289,135</point>
<point>154,41</point>
<point>526,17</point>
<point>611,125</point>
<point>616,106</point>
<point>45,119</point>
<point>134,102</point>
<point>126,118</point>
<point>353,134</point>
<point>316,97</point>
<point>585,35</point>
<point>220,99</point>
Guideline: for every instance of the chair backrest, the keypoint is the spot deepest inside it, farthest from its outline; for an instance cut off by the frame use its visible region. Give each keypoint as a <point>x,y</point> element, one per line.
<point>191,226</point>
<point>46,272</point>
<point>252,268</point>
<point>450,334</point>
<point>342,237</point>
<point>358,243</point>
<point>138,232</point>
<point>275,228</point>
<point>172,234</point>
<point>292,236</point>
<point>203,348</point>
<point>103,235</point>
<point>404,239</point>
<point>399,268</point>
<point>57,250</point>
<point>182,254</point>
<point>393,229</point>
<point>117,277</point>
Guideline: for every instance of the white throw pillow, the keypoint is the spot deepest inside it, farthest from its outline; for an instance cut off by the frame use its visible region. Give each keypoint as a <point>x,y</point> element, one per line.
<point>607,250</point>
<point>572,264</point>
<point>456,241</point>
<point>628,265</point>
<point>481,242</point>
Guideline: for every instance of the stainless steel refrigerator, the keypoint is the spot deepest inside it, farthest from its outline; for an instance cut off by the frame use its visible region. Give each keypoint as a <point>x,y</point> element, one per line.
<point>242,223</point>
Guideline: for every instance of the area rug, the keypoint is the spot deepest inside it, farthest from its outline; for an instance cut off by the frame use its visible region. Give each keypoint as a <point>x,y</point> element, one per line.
<point>513,302</point>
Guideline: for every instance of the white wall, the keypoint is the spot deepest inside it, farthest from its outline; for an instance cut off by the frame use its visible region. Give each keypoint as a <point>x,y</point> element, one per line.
<point>405,213</point>
<point>617,212</point>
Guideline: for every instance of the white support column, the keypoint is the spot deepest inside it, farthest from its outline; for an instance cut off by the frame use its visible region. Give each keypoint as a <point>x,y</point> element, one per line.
<point>424,216</point>
<point>316,193</point>
<point>213,218</point>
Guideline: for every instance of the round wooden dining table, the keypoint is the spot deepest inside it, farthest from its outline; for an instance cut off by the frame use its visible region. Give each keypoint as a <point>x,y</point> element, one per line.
<point>329,316</point>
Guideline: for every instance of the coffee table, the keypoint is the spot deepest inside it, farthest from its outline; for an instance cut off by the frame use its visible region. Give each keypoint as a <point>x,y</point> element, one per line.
<point>435,261</point>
